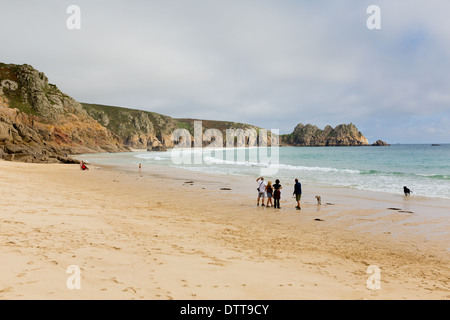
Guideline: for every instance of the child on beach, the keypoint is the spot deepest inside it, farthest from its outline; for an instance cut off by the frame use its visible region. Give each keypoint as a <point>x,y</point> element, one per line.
<point>83,166</point>
<point>269,191</point>
<point>277,194</point>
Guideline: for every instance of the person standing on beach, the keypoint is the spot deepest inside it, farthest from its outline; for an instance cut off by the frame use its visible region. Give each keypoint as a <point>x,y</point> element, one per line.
<point>298,193</point>
<point>269,191</point>
<point>261,190</point>
<point>277,194</point>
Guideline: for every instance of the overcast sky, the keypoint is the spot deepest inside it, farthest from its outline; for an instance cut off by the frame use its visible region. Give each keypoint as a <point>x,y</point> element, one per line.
<point>269,63</point>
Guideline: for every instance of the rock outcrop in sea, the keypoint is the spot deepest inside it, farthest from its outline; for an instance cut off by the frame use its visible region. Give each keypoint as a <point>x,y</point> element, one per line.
<point>380,143</point>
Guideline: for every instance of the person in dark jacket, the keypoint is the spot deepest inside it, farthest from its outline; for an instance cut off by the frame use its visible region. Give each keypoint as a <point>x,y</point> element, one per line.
<point>298,193</point>
<point>277,194</point>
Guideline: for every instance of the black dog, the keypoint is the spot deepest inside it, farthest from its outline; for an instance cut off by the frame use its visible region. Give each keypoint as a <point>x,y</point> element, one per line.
<point>407,191</point>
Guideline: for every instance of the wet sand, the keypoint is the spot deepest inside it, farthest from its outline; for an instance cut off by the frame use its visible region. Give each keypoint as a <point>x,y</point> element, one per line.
<point>173,234</point>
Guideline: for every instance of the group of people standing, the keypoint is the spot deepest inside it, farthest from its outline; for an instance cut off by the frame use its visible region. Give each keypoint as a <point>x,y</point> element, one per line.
<point>274,191</point>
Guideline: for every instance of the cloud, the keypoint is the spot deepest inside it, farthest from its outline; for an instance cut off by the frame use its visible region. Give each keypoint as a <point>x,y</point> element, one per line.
<point>269,63</point>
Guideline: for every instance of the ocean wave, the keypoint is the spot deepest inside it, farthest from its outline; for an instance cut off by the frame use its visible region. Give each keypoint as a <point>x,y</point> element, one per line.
<point>406,174</point>
<point>150,157</point>
<point>434,176</point>
<point>320,169</point>
<point>212,160</point>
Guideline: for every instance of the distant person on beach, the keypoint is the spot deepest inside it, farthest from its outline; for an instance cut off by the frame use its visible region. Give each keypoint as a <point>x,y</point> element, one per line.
<point>277,194</point>
<point>83,166</point>
<point>298,193</point>
<point>269,191</point>
<point>261,190</point>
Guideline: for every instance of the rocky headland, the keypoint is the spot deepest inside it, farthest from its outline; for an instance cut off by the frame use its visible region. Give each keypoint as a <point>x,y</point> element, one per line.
<point>311,136</point>
<point>39,123</point>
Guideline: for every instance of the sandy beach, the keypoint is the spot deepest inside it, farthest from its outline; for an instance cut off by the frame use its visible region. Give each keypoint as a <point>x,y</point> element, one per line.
<point>174,234</point>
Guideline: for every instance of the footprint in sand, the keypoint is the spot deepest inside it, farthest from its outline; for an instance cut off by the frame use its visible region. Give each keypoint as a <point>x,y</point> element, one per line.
<point>29,211</point>
<point>114,279</point>
<point>7,289</point>
<point>129,289</point>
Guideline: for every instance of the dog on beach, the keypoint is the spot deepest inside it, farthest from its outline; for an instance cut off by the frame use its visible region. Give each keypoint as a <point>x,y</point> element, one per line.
<point>319,200</point>
<point>406,191</point>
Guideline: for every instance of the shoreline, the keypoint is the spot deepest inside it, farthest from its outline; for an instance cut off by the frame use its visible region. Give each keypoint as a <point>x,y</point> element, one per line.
<point>389,188</point>
<point>130,234</point>
<point>412,210</point>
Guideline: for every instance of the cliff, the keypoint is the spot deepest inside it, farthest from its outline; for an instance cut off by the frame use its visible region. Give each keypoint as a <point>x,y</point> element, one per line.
<point>310,135</point>
<point>39,123</point>
<point>222,126</point>
<point>149,130</point>
<point>135,128</point>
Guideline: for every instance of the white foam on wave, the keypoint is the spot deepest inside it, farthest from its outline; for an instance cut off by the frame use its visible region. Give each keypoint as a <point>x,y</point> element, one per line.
<point>212,160</point>
<point>145,156</point>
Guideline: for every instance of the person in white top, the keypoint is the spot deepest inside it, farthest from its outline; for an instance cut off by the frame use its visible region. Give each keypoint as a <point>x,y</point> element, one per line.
<point>261,190</point>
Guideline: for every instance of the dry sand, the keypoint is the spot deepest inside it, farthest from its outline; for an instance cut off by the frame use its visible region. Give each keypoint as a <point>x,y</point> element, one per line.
<point>173,234</point>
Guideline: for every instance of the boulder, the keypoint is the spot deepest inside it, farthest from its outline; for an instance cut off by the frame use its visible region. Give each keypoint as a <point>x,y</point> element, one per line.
<point>13,149</point>
<point>158,148</point>
<point>156,145</point>
<point>67,160</point>
<point>380,143</point>
<point>4,132</point>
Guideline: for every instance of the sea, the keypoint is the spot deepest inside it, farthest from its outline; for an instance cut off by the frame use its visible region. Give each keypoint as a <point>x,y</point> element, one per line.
<point>423,168</point>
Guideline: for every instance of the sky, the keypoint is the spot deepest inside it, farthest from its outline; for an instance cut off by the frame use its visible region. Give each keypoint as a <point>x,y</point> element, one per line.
<point>270,63</point>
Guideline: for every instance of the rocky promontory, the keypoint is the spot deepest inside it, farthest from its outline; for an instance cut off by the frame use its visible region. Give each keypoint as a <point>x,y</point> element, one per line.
<point>311,136</point>
<point>135,128</point>
<point>39,123</point>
